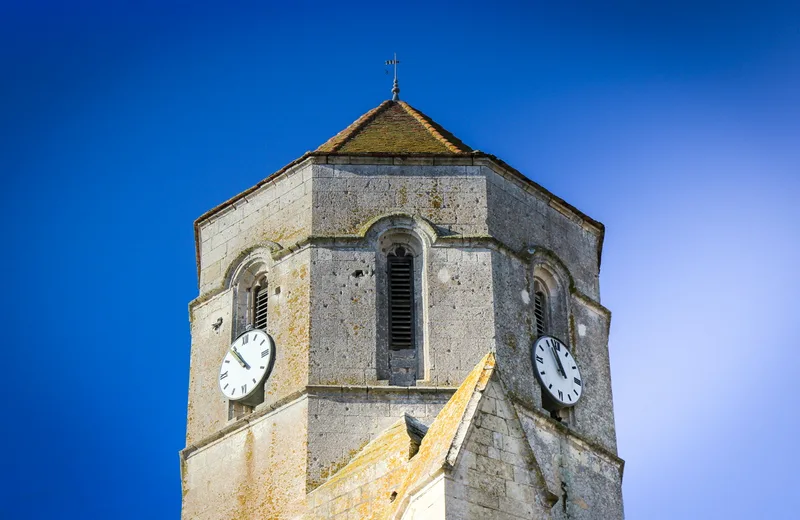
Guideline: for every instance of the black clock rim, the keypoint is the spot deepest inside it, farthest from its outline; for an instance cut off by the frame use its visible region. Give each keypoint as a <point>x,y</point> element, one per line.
<point>539,377</point>
<point>270,364</point>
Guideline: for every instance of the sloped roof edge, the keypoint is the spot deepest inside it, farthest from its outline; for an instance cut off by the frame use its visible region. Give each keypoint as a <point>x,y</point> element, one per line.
<point>450,142</point>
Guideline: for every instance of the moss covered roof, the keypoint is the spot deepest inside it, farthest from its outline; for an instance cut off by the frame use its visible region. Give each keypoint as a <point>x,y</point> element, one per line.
<point>392,472</point>
<point>395,127</point>
<point>444,437</point>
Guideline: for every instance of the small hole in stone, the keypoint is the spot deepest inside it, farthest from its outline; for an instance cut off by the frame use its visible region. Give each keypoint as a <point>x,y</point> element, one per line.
<point>277,290</point>
<point>392,496</point>
<point>358,273</point>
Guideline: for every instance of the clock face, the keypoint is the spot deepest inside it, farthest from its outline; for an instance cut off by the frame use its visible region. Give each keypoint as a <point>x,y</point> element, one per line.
<point>246,364</point>
<point>557,370</point>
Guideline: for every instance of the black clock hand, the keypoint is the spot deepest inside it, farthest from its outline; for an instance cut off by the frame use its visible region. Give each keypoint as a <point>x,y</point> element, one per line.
<point>558,360</point>
<point>239,358</point>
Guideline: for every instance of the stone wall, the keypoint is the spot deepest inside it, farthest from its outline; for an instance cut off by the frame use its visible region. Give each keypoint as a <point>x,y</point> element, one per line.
<point>348,196</point>
<point>319,230</point>
<point>496,475</point>
<point>207,411</point>
<point>429,503</point>
<point>279,211</point>
<point>522,218</point>
<point>593,417</point>
<point>348,329</point>
<point>343,316</point>
<point>255,472</point>
<point>586,478</point>
<point>344,420</point>
<point>288,323</point>
<point>584,329</point>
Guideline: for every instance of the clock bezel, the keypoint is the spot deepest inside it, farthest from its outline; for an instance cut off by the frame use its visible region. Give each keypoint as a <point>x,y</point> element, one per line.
<point>550,394</point>
<point>267,371</point>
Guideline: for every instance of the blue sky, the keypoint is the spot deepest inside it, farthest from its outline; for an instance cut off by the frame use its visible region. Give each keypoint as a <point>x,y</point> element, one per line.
<point>675,124</point>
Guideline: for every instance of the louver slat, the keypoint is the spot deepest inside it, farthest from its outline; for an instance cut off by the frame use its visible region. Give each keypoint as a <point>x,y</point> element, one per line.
<point>538,311</point>
<point>401,302</point>
<point>260,308</point>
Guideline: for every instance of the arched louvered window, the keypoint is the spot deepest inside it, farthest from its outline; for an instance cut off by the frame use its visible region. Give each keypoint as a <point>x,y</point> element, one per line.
<point>260,305</point>
<point>540,308</point>
<point>401,299</point>
<point>249,287</point>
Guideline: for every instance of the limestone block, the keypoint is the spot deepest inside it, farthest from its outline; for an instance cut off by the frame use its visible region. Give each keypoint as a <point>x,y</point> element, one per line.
<point>262,465</point>
<point>594,414</point>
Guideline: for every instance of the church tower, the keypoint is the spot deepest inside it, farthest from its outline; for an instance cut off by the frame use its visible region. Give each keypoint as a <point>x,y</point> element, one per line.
<point>398,326</point>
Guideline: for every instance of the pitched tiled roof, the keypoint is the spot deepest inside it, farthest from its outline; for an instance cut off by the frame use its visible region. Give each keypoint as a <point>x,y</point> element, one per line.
<point>395,127</point>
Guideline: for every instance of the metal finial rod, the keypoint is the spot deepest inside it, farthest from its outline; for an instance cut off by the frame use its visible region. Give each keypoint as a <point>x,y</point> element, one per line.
<point>396,86</point>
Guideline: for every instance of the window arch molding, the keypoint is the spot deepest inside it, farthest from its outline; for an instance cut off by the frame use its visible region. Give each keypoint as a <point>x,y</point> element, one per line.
<point>413,225</point>
<point>401,243</point>
<point>248,281</point>
<point>261,253</point>
<point>551,280</point>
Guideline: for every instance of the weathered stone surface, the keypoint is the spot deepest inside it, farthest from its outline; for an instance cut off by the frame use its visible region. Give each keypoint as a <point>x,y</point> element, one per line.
<point>480,238</point>
<point>257,471</point>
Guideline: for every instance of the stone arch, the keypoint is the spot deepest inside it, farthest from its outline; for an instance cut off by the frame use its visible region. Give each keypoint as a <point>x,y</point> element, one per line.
<point>249,272</point>
<point>262,252</point>
<point>386,236</point>
<point>413,224</point>
<point>548,274</point>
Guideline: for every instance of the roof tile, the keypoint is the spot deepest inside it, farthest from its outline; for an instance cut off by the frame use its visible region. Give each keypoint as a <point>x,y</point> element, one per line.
<point>395,127</point>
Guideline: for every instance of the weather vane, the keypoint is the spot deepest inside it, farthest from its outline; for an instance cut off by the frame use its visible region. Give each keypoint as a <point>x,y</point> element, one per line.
<point>396,87</point>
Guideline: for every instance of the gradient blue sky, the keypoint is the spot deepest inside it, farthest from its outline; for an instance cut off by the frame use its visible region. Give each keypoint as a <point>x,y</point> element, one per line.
<point>676,124</point>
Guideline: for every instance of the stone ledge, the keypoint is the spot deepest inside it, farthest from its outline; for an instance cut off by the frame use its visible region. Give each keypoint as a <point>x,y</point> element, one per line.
<point>359,240</point>
<point>232,427</point>
<point>568,433</point>
<point>408,390</point>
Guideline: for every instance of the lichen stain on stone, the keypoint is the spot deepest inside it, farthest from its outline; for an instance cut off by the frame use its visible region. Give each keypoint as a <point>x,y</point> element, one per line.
<point>435,197</point>
<point>375,470</point>
<point>581,503</point>
<point>511,340</point>
<point>402,195</point>
<point>573,339</point>
<point>247,482</point>
<point>291,326</point>
<point>184,478</point>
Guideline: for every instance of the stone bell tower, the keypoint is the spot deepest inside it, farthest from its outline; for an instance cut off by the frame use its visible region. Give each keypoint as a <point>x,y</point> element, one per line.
<point>405,279</point>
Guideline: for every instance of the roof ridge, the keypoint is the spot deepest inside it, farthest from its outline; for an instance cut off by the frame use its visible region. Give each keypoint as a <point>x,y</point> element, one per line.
<point>431,127</point>
<point>339,140</point>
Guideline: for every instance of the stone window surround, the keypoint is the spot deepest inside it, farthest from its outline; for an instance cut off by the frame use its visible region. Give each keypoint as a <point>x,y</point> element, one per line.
<point>246,273</point>
<point>547,276</point>
<point>388,241</point>
<point>250,272</point>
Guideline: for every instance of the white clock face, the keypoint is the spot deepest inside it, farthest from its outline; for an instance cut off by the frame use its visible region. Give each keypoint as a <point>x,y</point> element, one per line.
<point>557,370</point>
<point>246,364</point>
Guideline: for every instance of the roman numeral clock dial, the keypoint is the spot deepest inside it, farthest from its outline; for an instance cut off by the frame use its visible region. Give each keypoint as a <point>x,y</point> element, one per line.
<point>247,364</point>
<point>557,371</point>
